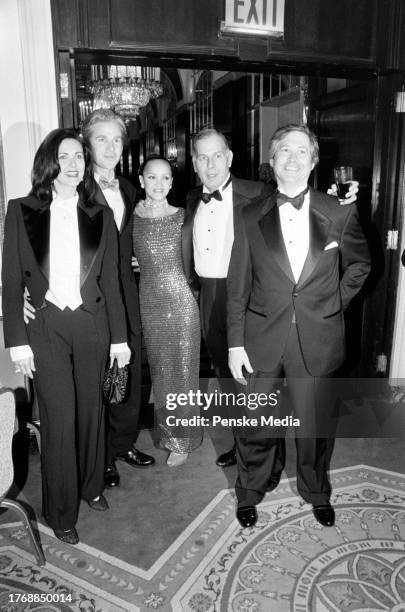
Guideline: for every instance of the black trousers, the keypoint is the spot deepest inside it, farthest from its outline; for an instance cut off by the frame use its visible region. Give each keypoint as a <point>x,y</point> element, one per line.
<point>213,323</point>
<point>213,298</point>
<point>70,351</point>
<point>257,453</point>
<point>123,418</point>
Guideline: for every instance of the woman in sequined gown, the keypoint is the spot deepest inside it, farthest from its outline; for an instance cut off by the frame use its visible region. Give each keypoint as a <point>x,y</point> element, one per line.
<point>169,311</point>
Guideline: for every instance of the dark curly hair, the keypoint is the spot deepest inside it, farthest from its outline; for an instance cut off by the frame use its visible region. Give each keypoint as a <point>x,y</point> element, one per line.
<point>46,165</point>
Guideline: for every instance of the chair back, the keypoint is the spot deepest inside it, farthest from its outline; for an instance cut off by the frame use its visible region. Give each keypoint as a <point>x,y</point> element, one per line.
<point>7,417</point>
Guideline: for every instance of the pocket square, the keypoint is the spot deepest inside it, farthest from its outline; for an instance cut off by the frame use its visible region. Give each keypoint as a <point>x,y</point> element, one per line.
<point>331,245</point>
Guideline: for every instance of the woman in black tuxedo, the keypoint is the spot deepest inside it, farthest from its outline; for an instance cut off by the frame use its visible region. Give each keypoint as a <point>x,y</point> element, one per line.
<point>63,248</point>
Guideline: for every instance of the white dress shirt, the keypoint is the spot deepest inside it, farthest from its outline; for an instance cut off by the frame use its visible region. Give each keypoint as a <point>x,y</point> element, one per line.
<point>115,202</point>
<point>64,255</point>
<point>295,230</point>
<point>213,235</point>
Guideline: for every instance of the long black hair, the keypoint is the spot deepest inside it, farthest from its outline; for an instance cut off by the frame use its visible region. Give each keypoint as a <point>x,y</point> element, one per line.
<point>46,165</point>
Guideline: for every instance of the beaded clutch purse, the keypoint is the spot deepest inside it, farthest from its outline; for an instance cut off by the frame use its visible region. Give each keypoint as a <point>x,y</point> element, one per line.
<point>115,384</point>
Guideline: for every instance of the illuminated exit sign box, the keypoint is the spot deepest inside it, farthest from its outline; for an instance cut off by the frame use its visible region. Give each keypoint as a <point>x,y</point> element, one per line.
<point>260,17</point>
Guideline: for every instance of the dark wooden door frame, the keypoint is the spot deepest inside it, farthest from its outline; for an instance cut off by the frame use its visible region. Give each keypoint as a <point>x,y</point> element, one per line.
<point>386,213</point>
<point>387,198</point>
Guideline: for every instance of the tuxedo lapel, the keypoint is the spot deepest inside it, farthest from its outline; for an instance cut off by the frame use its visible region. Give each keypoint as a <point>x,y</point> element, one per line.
<point>192,204</point>
<point>99,196</point>
<point>318,234</point>
<point>90,222</point>
<point>127,206</point>
<point>193,201</point>
<point>37,216</point>
<point>270,227</point>
<point>237,198</point>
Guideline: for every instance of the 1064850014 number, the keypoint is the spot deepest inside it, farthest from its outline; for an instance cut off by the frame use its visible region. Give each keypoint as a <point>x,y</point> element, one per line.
<point>39,597</point>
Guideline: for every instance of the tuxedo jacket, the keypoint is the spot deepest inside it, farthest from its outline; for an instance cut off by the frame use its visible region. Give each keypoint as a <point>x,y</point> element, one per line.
<point>243,192</point>
<point>26,264</point>
<point>127,277</point>
<point>263,295</point>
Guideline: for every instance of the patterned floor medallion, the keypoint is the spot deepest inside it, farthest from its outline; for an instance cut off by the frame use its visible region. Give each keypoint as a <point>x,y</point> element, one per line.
<point>287,562</point>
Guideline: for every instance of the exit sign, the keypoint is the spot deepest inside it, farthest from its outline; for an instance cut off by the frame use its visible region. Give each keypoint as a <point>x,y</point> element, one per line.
<point>262,17</point>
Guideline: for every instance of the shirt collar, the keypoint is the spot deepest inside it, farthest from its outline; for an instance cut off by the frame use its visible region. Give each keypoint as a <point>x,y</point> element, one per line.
<point>222,187</point>
<point>65,202</point>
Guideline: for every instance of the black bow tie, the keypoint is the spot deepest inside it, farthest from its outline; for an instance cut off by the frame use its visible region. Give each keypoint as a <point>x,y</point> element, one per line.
<point>297,202</point>
<point>207,197</point>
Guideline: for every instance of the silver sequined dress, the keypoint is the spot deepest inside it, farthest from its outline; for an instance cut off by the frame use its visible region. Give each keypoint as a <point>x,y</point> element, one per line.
<point>170,324</point>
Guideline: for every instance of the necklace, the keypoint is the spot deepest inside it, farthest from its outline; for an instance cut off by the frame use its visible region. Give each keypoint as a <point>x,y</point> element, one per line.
<point>153,208</point>
<point>155,204</point>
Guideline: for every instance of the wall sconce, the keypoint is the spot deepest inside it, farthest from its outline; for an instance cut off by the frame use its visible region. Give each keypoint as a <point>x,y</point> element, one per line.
<point>400,100</point>
<point>171,153</point>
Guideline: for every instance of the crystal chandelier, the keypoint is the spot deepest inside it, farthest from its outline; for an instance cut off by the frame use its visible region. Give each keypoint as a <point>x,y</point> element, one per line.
<point>126,89</point>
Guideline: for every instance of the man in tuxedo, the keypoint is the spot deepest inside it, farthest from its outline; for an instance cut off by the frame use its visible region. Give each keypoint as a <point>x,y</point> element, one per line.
<point>207,242</point>
<point>207,235</point>
<point>298,259</point>
<point>104,134</point>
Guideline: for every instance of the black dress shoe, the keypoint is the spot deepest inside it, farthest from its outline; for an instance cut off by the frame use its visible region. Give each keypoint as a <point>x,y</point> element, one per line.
<point>325,515</point>
<point>69,536</point>
<point>135,458</point>
<point>247,516</point>
<point>227,459</point>
<point>274,481</point>
<point>111,476</point>
<point>99,504</point>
